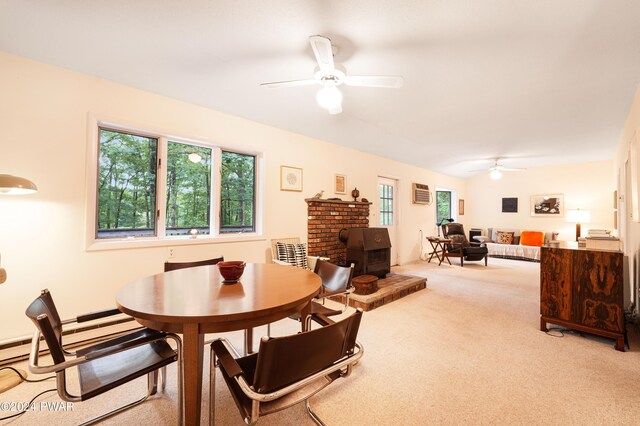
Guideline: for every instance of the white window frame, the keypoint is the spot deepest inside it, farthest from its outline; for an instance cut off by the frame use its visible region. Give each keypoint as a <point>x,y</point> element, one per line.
<point>454,202</point>
<point>92,243</point>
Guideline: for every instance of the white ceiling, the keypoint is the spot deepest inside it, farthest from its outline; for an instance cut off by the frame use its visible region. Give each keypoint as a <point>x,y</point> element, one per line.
<point>534,82</point>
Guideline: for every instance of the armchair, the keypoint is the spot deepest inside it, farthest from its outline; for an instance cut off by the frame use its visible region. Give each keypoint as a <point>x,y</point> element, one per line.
<point>286,370</point>
<point>461,247</point>
<point>103,366</point>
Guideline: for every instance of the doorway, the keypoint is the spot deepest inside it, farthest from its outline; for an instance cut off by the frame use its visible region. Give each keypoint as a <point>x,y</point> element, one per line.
<point>388,202</point>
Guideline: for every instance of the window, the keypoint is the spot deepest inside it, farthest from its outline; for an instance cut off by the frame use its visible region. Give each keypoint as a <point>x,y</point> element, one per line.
<point>188,191</point>
<point>126,185</point>
<point>237,192</point>
<point>202,190</point>
<point>386,204</point>
<point>443,206</point>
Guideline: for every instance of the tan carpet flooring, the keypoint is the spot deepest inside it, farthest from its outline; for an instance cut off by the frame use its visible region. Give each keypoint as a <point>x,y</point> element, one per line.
<point>467,350</point>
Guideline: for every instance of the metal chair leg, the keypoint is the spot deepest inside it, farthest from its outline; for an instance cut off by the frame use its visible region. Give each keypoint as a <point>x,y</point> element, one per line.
<point>118,410</point>
<point>163,378</point>
<point>312,414</point>
<point>152,382</point>
<point>180,381</point>
<point>212,388</point>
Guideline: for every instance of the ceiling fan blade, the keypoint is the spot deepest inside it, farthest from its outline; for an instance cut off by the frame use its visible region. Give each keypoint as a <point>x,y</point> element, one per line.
<point>290,83</point>
<point>390,81</point>
<point>507,169</point>
<point>323,52</point>
<point>335,110</point>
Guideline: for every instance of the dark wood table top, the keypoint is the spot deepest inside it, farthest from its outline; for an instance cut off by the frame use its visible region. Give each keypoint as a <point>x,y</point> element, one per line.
<point>198,295</point>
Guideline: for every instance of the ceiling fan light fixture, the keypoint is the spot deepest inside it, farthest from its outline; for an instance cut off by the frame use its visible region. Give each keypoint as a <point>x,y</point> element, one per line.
<point>495,174</point>
<point>329,97</point>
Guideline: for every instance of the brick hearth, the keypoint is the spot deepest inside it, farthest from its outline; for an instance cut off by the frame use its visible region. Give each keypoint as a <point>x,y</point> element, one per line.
<point>392,288</point>
<point>325,220</point>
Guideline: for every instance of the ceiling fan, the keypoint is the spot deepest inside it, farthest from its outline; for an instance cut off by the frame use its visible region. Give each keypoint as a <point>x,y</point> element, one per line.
<point>495,172</point>
<point>330,75</point>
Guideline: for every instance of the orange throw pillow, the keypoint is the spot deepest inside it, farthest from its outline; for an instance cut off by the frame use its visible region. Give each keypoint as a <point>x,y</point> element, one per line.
<point>531,238</point>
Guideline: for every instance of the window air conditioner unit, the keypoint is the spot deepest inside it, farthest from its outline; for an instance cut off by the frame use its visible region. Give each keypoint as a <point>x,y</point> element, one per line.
<point>421,194</point>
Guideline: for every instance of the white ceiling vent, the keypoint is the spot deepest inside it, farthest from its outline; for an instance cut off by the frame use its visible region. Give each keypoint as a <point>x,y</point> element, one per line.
<point>421,194</point>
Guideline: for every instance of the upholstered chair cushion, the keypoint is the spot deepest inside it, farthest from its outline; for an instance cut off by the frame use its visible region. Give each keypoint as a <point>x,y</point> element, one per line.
<point>455,229</point>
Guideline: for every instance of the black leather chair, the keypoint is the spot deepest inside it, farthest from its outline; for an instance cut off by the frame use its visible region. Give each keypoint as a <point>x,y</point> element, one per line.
<point>172,266</point>
<point>460,245</point>
<point>103,366</point>
<point>286,370</point>
<point>335,280</point>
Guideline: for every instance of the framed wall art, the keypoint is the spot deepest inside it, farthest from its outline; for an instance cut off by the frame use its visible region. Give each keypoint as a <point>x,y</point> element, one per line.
<point>548,205</point>
<point>340,184</point>
<point>461,207</point>
<point>290,178</point>
<point>510,205</point>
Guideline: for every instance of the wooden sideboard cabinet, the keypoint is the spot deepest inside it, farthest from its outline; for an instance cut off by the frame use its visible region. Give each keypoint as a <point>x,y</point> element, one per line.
<point>582,289</point>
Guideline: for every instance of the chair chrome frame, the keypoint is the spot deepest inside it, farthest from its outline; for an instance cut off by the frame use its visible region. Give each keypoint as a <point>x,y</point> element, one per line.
<point>60,368</point>
<point>344,365</point>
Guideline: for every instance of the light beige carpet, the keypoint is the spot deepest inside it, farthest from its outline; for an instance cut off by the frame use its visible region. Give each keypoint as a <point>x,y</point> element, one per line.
<point>467,350</point>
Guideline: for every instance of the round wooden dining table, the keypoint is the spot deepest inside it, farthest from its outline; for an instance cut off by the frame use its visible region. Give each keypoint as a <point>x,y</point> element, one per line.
<point>195,301</point>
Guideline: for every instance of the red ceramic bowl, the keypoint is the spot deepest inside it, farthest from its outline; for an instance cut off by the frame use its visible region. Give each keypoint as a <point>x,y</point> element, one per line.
<point>232,270</point>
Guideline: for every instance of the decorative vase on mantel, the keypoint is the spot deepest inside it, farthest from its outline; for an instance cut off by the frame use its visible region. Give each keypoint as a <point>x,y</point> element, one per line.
<point>355,194</point>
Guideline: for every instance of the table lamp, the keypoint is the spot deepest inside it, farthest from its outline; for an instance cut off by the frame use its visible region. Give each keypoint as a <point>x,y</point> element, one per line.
<point>13,185</point>
<point>578,216</point>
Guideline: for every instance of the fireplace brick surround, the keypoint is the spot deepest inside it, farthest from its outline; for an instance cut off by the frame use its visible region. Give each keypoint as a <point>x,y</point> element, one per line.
<point>325,220</point>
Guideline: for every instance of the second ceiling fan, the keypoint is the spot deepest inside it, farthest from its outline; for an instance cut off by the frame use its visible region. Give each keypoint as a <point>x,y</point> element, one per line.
<point>495,172</point>
<point>330,75</point>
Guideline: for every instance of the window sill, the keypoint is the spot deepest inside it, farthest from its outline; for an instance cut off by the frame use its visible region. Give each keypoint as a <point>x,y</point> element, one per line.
<point>134,243</point>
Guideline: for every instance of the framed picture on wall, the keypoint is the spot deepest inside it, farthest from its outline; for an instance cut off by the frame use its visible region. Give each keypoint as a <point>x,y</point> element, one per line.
<point>551,205</point>
<point>510,205</point>
<point>340,184</point>
<point>290,178</point>
<point>461,207</point>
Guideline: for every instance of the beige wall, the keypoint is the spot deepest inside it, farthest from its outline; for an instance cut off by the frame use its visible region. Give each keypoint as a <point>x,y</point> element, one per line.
<point>629,229</point>
<point>43,137</point>
<point>585,186</point>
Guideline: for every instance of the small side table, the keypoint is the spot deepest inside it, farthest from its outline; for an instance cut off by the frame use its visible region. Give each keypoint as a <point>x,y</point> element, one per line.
<point>439,246</point>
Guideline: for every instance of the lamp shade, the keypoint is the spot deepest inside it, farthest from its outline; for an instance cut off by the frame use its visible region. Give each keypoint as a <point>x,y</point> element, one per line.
<point>13,185</point>
<point>578,216</point>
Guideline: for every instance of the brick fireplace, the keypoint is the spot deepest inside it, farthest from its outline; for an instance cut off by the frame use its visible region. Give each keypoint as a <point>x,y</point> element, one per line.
<point>325,220</point>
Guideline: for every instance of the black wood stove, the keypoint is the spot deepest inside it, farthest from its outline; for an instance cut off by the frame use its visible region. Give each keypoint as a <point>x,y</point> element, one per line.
<point>369,249</point>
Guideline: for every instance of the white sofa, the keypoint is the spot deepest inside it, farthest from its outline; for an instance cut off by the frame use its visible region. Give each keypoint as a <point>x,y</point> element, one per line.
<point>510,251</point>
